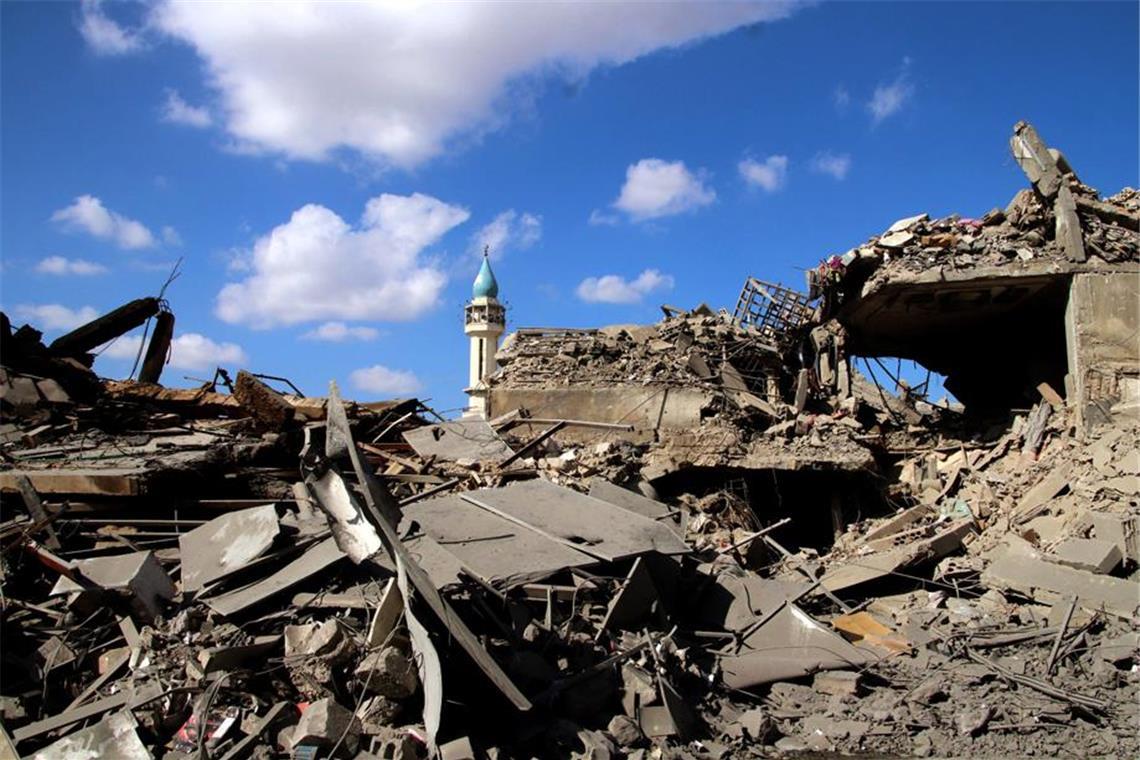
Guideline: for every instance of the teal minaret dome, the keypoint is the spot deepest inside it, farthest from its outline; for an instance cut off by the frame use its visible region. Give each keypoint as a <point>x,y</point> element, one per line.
<point>485,285</point>
<point>484,320</point>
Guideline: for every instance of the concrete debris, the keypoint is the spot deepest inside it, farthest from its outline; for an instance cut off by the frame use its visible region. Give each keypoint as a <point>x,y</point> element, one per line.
<point>730,533</point>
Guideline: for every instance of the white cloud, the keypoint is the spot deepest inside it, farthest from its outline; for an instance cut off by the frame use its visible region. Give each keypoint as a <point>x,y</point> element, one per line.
<point>888,99</point>
<point>104,35</point>
<point>836,165</point>
<point>89,214</point>
<point>338,332</point>
<point>769,174</point>
<point>187,351</point>
<point>63,266</point>
<point>177,111</point>
<point>54,316</point>
<point>318,267</point>
<point>841,98</point>
<point>654,188</point>
<point>509,230</point>
<point>601,218</point>
<point>379,379</point>
<point>171,237</point>
<point>400,82</point>
<point>612,288</point>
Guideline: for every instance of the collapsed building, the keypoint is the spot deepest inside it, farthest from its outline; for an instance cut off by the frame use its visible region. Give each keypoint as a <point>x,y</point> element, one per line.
<point>712,536</point>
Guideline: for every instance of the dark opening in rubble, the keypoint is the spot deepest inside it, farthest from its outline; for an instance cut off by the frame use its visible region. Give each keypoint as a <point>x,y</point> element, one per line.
<point>994,339</point>
<point>821,503</point>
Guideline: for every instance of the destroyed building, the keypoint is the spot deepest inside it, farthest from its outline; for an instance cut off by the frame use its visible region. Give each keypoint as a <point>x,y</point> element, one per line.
<point>718,535</point>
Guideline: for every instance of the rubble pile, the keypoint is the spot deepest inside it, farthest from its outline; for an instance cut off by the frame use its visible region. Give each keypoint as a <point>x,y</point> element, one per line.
<point>796,559</point>
<point>1020,236</point>
<point>685,349</point>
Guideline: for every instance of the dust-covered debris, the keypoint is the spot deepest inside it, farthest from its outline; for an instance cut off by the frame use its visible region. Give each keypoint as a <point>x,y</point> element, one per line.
<point>712,536</point>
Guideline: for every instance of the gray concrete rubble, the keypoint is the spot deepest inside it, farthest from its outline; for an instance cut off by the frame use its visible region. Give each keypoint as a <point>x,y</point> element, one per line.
<point>734,532</point>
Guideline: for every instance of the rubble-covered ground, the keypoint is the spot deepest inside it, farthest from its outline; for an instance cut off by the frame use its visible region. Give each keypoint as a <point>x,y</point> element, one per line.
<point>798,561</point>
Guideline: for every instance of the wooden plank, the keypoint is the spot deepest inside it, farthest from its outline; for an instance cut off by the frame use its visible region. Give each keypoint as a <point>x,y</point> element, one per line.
<point>125,481</point>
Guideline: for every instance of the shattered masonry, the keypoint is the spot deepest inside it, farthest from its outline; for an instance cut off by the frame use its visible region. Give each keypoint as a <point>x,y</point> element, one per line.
<point>730,533</point>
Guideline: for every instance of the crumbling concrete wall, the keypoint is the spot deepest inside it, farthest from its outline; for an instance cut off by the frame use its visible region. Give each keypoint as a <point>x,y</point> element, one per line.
<point>1102,332</point>
<point>645,407</point>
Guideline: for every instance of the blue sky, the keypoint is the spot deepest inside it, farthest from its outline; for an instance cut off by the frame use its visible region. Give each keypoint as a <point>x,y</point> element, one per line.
<point>328,173</point>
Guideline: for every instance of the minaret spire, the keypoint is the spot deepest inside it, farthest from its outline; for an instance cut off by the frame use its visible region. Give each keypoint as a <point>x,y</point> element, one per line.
<point>484,320</point>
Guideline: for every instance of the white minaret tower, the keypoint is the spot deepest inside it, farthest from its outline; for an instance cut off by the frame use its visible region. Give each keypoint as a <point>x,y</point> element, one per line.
<point>484,320</point>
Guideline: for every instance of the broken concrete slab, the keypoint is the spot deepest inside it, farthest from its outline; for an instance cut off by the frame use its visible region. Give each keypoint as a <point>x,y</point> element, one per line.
<point>494,548</point>
<point>1093,555</point>
<point>635,502</point>
<point>1027,572</point>
<point>113,737</point>
<point>138,575</point>
<point>314,560</point>
<point>589,525</point>
<point>467,439</point>
<point>226,544</point>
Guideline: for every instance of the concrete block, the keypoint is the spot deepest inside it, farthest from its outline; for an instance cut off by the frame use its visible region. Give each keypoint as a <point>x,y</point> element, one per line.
<point>322,725</point>
<point>1094,555</point>
<point>1122,530</point>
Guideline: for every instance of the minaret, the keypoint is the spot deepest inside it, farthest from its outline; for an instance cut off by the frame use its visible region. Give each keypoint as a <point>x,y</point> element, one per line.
<point>484,320</point>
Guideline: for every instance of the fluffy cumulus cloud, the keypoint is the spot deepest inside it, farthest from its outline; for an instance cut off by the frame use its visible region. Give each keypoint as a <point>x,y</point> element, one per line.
<point>59,265</point>
<point>104,35</point>
<point>318,267</point>
<point>88,214</point>
<point>889,97</point>
<point>400,82</point>
<point>380,380</point>
<point>187,351</point>
<point>509,230</point>
<point>339,332</point>
<point>177,111</point>
<point>654,188</point>
<point>54,317</point>
<point>835,165</point>
<point>612,288</point>
<point>769,174</point>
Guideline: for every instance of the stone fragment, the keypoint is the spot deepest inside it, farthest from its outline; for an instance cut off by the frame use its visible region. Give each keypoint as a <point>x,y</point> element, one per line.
<point>388,673</point>
<point>313,653</point>
<point>758,726</point>
<point>837,682</point>
<point>971,721</point>
<point>323,724</point>
<point>625,731</point>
